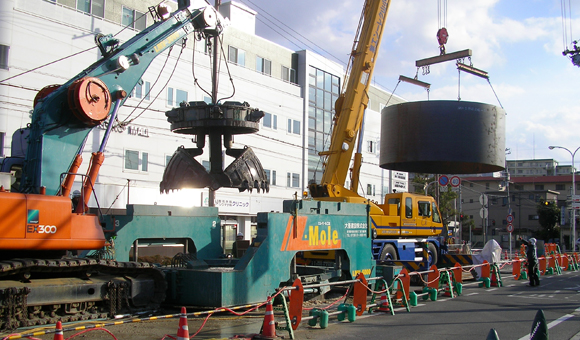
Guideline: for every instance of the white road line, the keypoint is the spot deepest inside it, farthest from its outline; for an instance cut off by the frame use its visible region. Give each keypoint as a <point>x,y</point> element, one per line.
<point>556,323</point>
<point>471,294</point>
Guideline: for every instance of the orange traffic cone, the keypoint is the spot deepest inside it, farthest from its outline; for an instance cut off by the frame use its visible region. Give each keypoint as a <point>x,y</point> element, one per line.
<point>384,305</point>
<point>58,335</point>
<point>183,330</point>
<point>269,325</point>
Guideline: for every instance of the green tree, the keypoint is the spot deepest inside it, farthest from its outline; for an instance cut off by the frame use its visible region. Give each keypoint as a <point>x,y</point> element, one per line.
<point>548,217</point>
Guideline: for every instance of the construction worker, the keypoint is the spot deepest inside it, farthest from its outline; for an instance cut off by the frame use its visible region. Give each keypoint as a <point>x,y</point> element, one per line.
<point>239,237</point>
<point>532,256</point>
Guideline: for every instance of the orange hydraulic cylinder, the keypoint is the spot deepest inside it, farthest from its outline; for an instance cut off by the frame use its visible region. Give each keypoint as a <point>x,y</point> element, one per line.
<point>70,177</point>
<point>97,160</point>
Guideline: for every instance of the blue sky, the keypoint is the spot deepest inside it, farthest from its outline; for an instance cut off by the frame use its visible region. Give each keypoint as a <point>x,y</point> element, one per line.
<point>519,43</point>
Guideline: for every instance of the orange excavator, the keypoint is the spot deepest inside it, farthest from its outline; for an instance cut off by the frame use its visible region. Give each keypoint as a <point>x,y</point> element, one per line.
<point>40,230</point>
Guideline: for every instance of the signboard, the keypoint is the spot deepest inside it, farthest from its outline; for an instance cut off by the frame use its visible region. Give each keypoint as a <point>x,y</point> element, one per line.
<point>510,218</point>
<point>455,181</point>
<point>443,180</point>
<point>510,227</point>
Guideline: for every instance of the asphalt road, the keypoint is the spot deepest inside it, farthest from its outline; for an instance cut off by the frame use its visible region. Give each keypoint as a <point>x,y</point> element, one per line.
<point>509,309</point>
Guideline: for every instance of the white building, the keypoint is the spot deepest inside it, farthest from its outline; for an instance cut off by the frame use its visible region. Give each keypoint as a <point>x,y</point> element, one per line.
<point>295,89</point>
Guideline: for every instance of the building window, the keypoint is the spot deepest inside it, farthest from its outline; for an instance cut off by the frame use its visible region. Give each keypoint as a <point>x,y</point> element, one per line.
<point>487,186</point>
<point>533,217</point>
<point>292,180</point>
<point>4,56</point>
<point>169,96</point>
<point>270,121</point>
<point>294,126</point>
<point>135,160</point>
<point>288,74</point>
<point>560,187</point>
<point>539,187</point>
<point>370,190</point>
<point>134,19</point>
<point>371,146</point>
<point>142,90</point>
<point>180,96</point>
<point>94,7</point>
<point>271,175</point>
<point>263,66</point>
<point>167,159</point>
<point>237,56</point>
<point>323,91</point>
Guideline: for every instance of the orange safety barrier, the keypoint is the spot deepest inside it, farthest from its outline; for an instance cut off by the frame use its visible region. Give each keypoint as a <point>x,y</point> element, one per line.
<point>359,295</point>
<point>485,269</point>
<point>565,262</point>
<point>542,262</point>
<point>433,277</point>
<point>517,268</point>
<point>458,273</point>
<point>296,301</point>
<point>406,283</point>
<point>552,262</point>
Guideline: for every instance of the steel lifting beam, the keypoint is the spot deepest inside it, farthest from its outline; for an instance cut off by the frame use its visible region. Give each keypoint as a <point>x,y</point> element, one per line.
<point>472,70</point>
<point>414,81</point>
<point>443,58</point>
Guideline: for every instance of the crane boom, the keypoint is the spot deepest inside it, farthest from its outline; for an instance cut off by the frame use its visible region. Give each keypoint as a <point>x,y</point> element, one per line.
<point>353,101</point>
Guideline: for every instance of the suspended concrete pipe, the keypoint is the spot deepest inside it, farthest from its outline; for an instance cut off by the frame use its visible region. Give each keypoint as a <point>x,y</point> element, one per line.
<point>443,137</point>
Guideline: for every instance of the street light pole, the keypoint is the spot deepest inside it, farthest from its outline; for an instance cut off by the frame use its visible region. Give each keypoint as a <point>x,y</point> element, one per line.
<point>573,236</point>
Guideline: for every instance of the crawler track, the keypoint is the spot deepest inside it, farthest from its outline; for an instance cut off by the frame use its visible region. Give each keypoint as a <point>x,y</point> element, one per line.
<point>39,291</point>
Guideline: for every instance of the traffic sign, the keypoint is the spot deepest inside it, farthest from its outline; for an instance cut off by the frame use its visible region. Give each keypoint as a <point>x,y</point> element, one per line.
<point>455,181</point>
<point>510,218</point>
<point>483,213</point>
<point>443,180</point>
<point>510,227</point>
<point>483,199</point>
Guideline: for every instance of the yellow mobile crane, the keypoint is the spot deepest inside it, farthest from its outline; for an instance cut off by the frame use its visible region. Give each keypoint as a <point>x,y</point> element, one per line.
<point>402,224</point>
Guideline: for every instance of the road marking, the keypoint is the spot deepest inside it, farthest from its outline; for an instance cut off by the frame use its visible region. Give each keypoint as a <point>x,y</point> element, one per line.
<point>556,322</point>
<point>491,289</point>
<point>471,294</point>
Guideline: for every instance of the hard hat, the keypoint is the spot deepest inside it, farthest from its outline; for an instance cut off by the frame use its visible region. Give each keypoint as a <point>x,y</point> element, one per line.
<point>240,234</point>
<point>76,193</point>
<point>533,241</point>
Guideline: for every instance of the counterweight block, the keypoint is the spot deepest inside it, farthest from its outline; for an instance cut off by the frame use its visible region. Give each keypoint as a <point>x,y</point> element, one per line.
<point>443,137</point>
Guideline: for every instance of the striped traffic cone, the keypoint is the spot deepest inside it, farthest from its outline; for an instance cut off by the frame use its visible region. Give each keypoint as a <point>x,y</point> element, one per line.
<point>183,330</point>
<point>269,325</point>
<point>58,334</point>
<point>384,305</point>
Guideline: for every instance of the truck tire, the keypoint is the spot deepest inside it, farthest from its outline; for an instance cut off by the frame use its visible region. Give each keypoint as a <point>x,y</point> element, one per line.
<point>432,253</point>
<point>389,253</point>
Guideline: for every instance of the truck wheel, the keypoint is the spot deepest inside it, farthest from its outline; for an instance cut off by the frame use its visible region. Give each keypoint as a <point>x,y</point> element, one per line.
<point>389,253</point>
<point>432,254</point>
